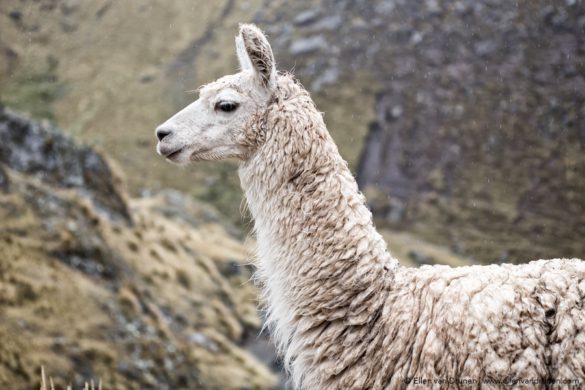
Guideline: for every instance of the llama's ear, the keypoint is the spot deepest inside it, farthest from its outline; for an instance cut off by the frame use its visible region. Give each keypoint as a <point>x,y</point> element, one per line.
<point>254,52</point>
<point>243,59</point>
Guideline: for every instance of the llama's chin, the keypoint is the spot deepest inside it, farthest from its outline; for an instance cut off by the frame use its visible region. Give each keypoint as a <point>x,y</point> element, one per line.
<point>215,154</point>
<point>180,158</point>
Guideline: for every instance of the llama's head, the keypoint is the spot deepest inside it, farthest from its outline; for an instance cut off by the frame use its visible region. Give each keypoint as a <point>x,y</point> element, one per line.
<point>218,124</point>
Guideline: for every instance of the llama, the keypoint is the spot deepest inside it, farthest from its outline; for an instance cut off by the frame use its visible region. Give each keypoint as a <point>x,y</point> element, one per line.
<point>343,312</point>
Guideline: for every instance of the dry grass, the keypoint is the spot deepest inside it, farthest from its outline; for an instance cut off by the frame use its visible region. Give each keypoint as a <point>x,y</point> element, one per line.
<point>87,386</point>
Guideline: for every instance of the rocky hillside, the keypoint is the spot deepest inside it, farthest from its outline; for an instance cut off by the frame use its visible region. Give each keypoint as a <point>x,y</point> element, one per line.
<point>140,293</point>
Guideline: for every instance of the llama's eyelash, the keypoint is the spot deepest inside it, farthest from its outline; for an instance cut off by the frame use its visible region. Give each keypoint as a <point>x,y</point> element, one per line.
<point>226,106</point>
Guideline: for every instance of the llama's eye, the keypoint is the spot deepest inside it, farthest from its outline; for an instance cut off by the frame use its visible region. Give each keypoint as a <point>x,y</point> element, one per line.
<point>226,106</point>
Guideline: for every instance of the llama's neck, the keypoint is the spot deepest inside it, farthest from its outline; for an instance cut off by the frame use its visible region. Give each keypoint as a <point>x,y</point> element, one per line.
<point>320,257</point>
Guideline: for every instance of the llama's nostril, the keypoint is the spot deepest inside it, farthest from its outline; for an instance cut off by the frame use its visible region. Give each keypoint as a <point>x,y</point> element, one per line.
<point>162,133</point>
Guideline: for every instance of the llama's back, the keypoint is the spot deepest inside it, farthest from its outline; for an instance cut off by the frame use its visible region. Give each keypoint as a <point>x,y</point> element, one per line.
<point>487,324</point>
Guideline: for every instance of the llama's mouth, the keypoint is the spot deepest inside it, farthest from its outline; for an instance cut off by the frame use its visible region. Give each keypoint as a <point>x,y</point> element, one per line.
<point>167,153</point>
<point>171,155</point>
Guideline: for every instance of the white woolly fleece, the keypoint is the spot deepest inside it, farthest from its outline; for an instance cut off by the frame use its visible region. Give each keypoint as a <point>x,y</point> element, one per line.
<point>343,312</point>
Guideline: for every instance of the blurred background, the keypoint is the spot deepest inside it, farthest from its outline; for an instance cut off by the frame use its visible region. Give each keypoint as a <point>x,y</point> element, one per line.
<point>463,121</point>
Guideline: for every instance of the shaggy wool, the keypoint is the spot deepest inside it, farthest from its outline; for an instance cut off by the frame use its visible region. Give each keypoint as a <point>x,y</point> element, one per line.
<point>346,315</point>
